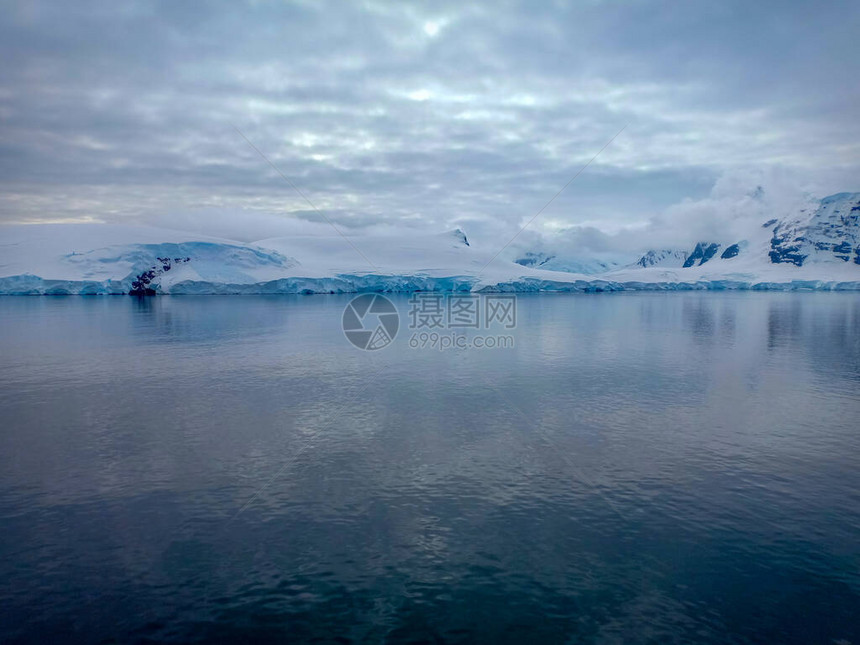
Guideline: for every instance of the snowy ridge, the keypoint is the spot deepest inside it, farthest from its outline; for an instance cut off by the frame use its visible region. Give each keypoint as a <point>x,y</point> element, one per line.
<point>809,250</point>
<point>663,257</point>
<point>831,233</point>
<point>552,262</point>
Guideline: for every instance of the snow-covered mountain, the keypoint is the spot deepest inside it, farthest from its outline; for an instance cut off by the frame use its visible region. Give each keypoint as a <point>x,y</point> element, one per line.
<point>830,234</point>
<point>663,257</point>
<point>114,259</point>
<point>816,248</point>
<point>587,265</point>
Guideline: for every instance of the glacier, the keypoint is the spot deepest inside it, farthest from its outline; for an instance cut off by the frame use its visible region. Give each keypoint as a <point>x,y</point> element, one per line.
<point>817,248</point>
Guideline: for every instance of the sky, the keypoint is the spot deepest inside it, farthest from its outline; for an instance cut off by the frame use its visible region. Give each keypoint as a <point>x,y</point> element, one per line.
<point>425,115</point>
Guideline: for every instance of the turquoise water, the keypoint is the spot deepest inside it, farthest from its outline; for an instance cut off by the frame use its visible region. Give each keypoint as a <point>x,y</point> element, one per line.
<point>637,468</point>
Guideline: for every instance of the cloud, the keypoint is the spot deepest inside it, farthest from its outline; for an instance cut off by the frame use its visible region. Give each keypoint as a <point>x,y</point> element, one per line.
<point>415,115</point>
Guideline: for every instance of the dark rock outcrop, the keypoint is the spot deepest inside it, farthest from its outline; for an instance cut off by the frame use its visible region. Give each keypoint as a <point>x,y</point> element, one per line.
<point>703,252</point>
<point>831,232</point>
<point>142,284</point>
<point>731,251</point>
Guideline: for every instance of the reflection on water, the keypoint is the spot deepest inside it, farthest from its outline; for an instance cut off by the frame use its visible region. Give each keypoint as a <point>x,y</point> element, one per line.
<point>638,468</point>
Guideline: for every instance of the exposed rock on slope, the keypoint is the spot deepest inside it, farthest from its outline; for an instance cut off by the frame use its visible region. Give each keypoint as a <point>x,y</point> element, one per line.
<point>831,232</point>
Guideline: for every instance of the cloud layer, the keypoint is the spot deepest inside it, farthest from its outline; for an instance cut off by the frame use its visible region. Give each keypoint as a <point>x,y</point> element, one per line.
<point>420,115</point>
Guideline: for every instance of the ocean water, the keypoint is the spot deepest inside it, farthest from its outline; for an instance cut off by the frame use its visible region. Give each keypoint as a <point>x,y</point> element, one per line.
<point>637,468</point>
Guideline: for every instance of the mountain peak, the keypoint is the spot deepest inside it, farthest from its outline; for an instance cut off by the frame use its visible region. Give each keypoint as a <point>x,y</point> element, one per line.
<point>459,235</point>
<point>831,233</point>
<point>662,257</point>
<point>840,197</point>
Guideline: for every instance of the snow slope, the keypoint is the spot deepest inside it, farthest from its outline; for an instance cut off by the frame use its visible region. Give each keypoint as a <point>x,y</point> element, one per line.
<point>592,265</point>
<point>807,250</point>
<point>103,258</point>
<point>830,234</point>
<point>662,257</point>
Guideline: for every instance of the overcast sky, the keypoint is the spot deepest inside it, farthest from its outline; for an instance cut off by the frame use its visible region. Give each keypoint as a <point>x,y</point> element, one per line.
<point>427,115</point>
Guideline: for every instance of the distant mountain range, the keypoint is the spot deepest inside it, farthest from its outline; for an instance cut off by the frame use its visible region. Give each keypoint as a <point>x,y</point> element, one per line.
<point>829,233</point>
<point>816,248</point>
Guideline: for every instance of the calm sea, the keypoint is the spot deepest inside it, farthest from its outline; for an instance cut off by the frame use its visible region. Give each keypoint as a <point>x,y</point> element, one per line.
<point>637,468</point>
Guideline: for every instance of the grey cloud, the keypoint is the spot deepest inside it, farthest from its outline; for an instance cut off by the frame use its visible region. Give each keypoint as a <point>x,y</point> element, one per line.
<point>121,110</point>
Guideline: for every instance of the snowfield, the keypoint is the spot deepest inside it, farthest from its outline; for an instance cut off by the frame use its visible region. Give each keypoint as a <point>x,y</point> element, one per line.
<point>819,249</point>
